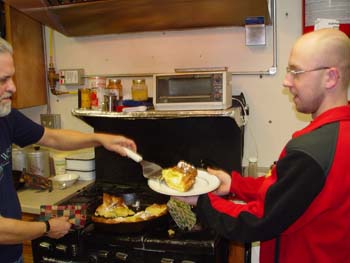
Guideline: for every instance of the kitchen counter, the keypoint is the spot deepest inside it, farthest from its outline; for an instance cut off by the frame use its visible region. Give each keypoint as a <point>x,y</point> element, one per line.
<point>31,199</point>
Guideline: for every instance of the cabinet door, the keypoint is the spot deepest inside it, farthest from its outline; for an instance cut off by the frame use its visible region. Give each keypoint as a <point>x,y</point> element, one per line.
<point>26,37</point>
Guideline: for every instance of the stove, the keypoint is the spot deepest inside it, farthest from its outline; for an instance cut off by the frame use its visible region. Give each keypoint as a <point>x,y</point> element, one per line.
<point>216,141</point>
<point>91,244</point>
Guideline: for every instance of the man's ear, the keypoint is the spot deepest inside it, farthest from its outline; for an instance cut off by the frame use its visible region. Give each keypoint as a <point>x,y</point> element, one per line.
<point>332,78</point>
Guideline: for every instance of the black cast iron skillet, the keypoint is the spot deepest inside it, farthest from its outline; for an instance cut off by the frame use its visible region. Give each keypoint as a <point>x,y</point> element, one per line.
<point>136,202</point>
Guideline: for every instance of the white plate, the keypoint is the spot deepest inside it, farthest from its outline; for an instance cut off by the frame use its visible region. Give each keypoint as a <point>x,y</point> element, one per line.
<point>205,183</point>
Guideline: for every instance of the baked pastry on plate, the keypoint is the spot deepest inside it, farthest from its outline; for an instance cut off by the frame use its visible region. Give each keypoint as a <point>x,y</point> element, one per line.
<point>180,177</point>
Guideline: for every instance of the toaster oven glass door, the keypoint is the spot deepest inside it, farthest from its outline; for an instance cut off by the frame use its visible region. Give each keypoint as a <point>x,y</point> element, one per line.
<point>187,88</point>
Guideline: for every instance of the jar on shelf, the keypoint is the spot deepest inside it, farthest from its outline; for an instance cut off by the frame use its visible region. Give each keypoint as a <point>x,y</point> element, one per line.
<point>84,98</point>
<point>139,90</point>
<point>112,87</point>
<point>97,86</point>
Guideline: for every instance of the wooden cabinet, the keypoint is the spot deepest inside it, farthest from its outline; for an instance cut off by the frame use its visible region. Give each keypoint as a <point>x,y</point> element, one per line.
<point>26,37</point>
<point>27,245</point>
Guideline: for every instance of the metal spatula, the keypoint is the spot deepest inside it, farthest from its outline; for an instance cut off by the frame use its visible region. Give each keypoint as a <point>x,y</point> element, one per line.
<point>149,169</point>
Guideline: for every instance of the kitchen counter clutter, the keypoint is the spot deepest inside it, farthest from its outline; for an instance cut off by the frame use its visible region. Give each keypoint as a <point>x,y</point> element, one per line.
<point>31,199</point>
<point>234,113</point>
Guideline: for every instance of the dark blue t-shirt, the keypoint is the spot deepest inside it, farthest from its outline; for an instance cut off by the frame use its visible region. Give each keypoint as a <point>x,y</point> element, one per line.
<point>18,129</point>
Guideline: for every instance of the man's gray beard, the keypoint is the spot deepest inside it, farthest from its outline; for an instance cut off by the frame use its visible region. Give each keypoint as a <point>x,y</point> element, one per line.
<point>5,108</point>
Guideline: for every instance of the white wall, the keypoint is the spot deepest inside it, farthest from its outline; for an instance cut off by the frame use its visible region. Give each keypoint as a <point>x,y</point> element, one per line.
<point>272,116</point>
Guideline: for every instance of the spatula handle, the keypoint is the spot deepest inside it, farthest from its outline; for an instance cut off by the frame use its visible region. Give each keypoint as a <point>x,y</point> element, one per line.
<point>133,155</point>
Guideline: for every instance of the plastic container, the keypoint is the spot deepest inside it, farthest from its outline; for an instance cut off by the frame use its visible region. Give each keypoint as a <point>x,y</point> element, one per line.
<point>98,87</point>
<point>19,159</point>
<point>59,163</point>
<point>139,90</point>
<point>81,161</point>
<point>253,167</point>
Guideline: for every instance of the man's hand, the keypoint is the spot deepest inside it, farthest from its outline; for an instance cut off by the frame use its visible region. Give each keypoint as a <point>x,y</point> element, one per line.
<point>58,227</point>
<point>225,181</point>
<point>115,143</point>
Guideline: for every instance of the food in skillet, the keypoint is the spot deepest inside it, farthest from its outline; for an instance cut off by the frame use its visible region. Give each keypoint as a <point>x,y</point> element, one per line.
<point>113,206</point>
<point>180,177</point>
<point>114,210</point>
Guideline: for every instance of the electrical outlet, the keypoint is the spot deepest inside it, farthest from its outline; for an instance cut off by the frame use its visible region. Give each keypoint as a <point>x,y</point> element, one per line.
<point>71,76</point>
<point>52,121</point>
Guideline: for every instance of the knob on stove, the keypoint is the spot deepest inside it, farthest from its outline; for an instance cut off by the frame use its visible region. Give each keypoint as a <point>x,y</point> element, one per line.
<point>61,249</point>
<point>98,256</point>
<point>93,258</point>
<point>45,246</point>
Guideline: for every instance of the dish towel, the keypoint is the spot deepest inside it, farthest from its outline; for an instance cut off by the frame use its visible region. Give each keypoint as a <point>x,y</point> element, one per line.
<point>75,213</point>
<point>182,214</point>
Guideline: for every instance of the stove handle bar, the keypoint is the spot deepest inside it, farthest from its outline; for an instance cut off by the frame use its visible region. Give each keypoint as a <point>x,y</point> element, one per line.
<point>167,260</point>
<point>54,260</point>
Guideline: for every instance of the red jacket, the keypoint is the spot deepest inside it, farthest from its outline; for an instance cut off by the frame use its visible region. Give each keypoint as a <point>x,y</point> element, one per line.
<point>304,203</point>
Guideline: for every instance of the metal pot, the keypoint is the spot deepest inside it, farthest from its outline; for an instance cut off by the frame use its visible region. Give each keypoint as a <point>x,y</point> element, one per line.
<point>38,162</point>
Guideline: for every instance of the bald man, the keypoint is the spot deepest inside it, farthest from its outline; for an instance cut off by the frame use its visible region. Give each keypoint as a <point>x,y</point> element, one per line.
<point>301,209</point>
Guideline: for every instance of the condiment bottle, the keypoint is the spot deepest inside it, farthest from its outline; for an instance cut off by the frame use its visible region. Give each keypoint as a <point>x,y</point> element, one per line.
<point>139,91</point>
<point>112,87</point>
<point>253,167</point>
<point>98,86</point>
<point>120,89</point>
<point>84,98</point>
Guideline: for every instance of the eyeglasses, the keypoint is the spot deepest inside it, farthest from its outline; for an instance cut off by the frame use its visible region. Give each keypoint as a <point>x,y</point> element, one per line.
<point>298,72</point>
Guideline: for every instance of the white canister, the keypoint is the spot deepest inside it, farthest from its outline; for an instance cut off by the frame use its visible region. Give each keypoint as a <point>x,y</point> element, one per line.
<point>59,163</point>
<point>38,161</point>
<point>19,159</point>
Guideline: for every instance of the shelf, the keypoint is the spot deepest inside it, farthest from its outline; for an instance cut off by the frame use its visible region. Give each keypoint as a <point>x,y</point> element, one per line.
<point>234,113</point>
<point>122,16</point>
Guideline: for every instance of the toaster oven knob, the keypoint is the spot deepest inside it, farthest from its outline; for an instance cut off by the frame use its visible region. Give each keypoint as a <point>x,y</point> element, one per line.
<point>121,256</point>
<point>167,260</point>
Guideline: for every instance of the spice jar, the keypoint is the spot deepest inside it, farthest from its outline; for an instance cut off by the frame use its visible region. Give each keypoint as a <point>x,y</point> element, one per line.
<point>139,91</point>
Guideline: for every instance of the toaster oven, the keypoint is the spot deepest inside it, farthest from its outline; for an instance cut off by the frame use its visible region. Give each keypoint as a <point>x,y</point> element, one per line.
<point>192,91</point>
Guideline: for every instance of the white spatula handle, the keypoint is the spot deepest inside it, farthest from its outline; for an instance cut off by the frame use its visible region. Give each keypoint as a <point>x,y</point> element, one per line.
<point>133,155</point>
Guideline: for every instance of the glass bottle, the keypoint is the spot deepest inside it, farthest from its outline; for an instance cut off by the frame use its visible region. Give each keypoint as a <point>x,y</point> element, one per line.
<point>112,87</point>
<point>253,167</point>
<point>139,91</point>
<point>84,98</point>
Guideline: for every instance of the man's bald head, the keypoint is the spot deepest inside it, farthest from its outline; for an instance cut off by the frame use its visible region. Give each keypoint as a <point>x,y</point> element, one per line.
<point>328,48</point>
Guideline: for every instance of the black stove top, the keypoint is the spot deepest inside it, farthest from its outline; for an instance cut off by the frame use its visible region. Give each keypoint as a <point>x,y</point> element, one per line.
<point>160,240</point>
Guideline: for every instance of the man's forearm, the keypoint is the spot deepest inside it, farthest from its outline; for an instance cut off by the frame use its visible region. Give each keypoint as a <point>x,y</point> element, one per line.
<point>68,140</point>
<point>14,231</point>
